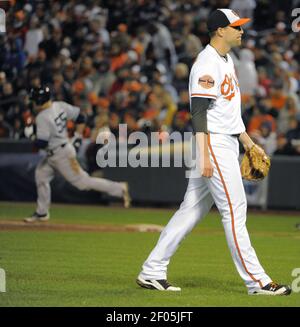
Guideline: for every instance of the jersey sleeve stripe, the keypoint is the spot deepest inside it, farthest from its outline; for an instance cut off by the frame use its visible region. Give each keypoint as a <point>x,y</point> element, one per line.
<point>203,95</point>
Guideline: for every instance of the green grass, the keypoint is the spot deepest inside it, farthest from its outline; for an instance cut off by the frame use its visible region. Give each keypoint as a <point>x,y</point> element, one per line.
<point>99,269</point>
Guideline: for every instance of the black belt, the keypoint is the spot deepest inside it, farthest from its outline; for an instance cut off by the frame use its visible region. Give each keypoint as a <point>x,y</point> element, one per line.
<point>51,152</point>
<point>236,135</point>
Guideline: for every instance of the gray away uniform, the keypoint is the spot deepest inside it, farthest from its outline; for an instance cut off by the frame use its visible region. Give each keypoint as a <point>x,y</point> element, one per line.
<point>51,127</point>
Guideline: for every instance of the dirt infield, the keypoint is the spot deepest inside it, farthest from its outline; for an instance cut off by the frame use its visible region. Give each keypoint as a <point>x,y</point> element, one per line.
<point>6,225</point>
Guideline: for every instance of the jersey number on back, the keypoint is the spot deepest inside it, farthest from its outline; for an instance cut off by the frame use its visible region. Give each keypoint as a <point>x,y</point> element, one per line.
<point>61,122</point>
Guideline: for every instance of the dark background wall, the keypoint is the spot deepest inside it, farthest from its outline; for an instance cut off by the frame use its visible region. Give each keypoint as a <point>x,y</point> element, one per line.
<point>284,183</point>
<point>154,186</point>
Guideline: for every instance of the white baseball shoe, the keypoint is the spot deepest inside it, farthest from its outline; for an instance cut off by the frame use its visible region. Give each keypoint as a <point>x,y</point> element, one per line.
<point>157,284</point>
<point>272,289</point>
<point>126,196</point>
<point>35,217</point>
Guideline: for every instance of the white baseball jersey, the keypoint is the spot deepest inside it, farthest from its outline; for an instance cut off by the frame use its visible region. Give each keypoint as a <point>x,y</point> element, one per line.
<point>215,78</point>
<point>51,123</point>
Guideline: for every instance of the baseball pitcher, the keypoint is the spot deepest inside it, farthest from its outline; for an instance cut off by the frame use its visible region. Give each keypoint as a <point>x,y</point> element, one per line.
<point>215,103</point>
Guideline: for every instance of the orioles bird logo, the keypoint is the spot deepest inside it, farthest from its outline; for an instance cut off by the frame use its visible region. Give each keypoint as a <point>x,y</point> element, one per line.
<point>227,87</point>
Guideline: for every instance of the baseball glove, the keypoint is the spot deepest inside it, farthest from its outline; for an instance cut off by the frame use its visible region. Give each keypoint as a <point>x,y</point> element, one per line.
<point>255,164</point>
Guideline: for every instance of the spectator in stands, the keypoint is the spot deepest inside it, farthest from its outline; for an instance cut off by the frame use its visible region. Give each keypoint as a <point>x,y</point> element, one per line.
<point>103,77</point>
<point>4,127</point>
<point>17,132</point>
<point>288,112</point>
<point>264,82</point>
<point>8,99</point>
<point>134,56</point>
<point>2,82</point>
<point>167,107</point>
<point>184,102</point>
<point>33,37</point>
<point>247,74</point>
<point>278,100</point>
<point>181,76</point>
<point>283,146</point>
<point>259,115</point>
<point>15,56</point>
<point>265,137</point>
<point>293,132</point>
<point>182,122</point>
<point>162,45</point>
<point>61,89</point>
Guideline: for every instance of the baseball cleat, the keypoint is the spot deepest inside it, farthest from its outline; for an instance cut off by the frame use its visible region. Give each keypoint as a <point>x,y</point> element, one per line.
<point>35,217</point>
<point>126,196</point>
<point>272,289</point>
<point>157,284</point>
<point>297,226</point>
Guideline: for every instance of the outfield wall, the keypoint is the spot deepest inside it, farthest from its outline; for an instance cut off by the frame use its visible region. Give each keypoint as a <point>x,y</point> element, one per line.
<point>281,190</point>
<point>150,186</point>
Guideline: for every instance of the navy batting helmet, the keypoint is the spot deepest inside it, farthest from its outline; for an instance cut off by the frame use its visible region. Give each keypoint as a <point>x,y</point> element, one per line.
<point>40,95</point>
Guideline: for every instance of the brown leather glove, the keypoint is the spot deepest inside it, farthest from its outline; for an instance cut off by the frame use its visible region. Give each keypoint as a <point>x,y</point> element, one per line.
<point>255,164</point>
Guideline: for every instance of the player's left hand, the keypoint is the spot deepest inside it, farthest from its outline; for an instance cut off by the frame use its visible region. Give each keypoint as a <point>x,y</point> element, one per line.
<point>30,132</point>
<point>76,141</point>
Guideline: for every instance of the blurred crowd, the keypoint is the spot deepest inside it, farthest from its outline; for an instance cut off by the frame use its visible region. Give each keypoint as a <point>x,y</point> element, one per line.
<point>128,61</point>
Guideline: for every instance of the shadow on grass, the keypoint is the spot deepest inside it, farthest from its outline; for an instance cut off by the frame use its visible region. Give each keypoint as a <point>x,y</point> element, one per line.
<point>212,284</point>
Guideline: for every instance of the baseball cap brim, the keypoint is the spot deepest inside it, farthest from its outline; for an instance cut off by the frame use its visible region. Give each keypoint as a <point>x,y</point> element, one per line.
<point>240,22</point>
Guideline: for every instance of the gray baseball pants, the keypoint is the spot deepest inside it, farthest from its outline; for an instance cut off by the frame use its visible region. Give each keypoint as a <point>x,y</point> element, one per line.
<point>64,161</point>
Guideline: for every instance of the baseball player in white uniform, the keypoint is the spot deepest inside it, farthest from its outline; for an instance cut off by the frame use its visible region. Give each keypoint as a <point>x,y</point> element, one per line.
<point>51,135</point>
<point>215,103</point>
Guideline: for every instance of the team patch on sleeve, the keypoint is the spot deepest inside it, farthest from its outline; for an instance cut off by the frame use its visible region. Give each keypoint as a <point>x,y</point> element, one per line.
<point>206,81</point>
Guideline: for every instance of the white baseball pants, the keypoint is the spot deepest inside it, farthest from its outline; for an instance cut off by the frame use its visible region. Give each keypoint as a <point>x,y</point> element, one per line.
<point>225,189</point>
<point>64,161</point>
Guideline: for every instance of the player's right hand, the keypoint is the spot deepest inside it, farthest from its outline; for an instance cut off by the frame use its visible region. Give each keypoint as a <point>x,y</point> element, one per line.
<point>207,169</point>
